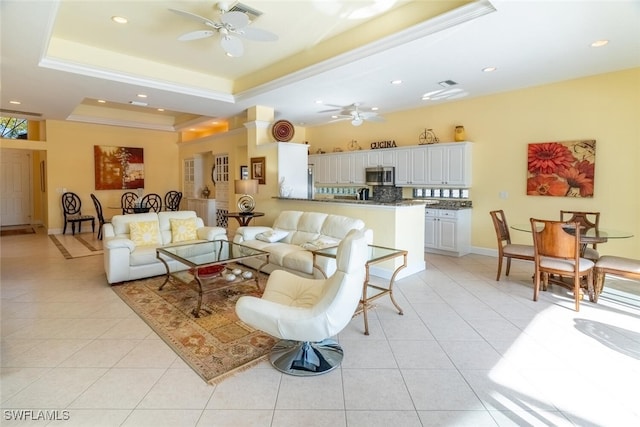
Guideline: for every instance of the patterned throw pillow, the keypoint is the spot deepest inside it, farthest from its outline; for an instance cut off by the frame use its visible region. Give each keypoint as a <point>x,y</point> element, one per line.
<point>183,229</point>
<point>145,233</point>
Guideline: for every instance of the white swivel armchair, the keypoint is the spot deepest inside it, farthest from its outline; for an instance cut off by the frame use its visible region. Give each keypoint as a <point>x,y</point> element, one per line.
<point>305,313</point>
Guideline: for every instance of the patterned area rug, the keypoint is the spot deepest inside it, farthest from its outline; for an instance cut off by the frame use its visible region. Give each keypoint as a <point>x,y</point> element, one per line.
<point>215,345</point>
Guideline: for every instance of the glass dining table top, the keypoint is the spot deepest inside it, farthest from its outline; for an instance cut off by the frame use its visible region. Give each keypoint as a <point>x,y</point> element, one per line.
<point>592,232</point>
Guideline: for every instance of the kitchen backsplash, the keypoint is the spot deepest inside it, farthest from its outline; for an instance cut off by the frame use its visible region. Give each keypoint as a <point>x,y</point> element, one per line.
<point>386,194</point>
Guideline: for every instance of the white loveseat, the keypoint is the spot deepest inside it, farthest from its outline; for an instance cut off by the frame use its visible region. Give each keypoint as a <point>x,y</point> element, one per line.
<point>293,236</point>
<point>130,242</point>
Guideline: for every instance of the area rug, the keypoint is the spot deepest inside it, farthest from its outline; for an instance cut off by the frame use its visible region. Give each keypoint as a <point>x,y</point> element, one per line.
<point>214,345</point>
<point>16,231</point>
<point>78,245</point>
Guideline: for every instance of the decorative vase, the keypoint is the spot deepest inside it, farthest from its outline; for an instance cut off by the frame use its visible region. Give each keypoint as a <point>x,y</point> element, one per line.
<point>205,192</point>
<point>285,190</point>
<point>460,134</point>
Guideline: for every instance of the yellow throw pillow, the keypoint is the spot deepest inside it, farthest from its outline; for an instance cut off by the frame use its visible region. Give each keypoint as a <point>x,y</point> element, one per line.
<point>145,233</point>
<point>183,229</point>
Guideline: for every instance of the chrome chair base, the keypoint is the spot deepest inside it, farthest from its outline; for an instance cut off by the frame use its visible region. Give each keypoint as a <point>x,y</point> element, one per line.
<point>303,358</point>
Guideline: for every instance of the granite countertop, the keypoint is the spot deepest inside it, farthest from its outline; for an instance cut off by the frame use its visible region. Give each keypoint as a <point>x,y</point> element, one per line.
<point>431,203</point>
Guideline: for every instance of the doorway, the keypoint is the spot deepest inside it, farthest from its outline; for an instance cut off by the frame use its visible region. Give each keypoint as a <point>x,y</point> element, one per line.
<point>15,187</point>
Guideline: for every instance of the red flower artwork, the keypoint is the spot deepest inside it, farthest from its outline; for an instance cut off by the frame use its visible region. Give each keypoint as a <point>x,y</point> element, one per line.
<point>564,169</point>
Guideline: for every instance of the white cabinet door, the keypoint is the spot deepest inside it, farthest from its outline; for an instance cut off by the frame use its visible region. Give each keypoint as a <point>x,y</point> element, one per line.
<point>325,168</point>
<point>358,165</point>
<point>449,164</point>
<point>403,166</point>
<point>375,158</point>
<point>418,166</point>
<point>447,231</point>
<point>344,166</point>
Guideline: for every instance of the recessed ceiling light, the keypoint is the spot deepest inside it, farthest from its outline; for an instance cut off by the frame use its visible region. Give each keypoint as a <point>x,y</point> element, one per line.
<point>334,117</point>
<point>160,109</point>
<point>489,69</point>
<point>318,101</point>
<point>15,102</point>
<point>600,43</point>
<point>119,19</point>
<point>374,108</point>
<point>396,82</point>
<point>142,95</point>
<point>102,101</point>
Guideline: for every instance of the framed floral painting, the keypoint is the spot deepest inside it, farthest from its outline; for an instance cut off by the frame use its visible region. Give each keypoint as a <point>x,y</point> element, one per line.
<point>561,169</point>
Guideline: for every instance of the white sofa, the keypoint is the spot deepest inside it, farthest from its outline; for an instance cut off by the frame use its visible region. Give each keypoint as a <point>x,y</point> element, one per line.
<point>125,260</point>
<point>292,237</point>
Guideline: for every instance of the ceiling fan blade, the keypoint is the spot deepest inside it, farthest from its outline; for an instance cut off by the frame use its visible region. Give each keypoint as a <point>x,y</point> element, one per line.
<point>237,20</point>
<point>330,111</point>
<point>374,119</point>
<point>195,17</point>
<point>257,34</point>
<point>232,45</point>
<point>195,35</point>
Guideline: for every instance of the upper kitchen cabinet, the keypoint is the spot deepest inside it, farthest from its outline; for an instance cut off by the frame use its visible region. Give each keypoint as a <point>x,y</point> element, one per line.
<point>380,158</point>
<point>411,166</point>
<point>449,164</point>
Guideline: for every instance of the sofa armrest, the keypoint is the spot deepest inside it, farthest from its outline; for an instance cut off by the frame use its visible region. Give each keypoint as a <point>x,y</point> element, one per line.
<point>249,232</point>
<point>119,242</point>
<point>212,233</point>
<point>107,230</point>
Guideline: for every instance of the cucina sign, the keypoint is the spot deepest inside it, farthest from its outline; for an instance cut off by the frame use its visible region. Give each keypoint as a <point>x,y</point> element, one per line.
<point>383,144</point>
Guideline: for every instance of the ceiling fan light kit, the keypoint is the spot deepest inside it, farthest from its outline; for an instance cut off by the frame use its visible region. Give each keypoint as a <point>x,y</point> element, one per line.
<point>354,114</point>
<point>232,27</point>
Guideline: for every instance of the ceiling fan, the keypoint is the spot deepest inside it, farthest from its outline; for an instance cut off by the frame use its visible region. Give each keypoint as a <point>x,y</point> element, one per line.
<point>232,26</point>
<point>352,112</point>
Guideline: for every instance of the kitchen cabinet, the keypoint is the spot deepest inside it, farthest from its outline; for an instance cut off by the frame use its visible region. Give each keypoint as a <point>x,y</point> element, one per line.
<point>342,168</point>
<point>447,232</point>
<point>449,165</point>
<point>205,209</point>
<point>411,166</point>
<point>325,168</point>
<point>376,158</point>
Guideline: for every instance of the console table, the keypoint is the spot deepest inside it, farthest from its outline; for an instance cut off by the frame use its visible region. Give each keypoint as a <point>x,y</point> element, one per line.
<point>244,218</point>
<point>370,292</point>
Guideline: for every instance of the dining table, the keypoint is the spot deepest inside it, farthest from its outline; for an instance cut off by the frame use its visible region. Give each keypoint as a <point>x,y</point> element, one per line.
<point>588,235</point>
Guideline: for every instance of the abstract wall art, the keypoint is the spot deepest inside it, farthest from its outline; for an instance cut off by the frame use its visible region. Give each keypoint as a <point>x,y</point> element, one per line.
<point>118,168</point>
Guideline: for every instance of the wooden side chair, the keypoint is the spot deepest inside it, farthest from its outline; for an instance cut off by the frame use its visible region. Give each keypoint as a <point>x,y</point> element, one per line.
<point>172,200</point>
<point>557,251</point>
<point>587,220</point>
<point>506,249</point>
<point>127,202</point>
<point>101,220</point>
<point>152,201</point>
<point>72,208</point>
<point>615,266</point>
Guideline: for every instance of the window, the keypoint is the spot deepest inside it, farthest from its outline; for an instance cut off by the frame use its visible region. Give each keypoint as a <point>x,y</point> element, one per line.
<point>14,128</point>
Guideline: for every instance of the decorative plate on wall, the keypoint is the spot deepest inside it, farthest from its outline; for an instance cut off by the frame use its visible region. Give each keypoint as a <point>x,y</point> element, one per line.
<point>282,130</point>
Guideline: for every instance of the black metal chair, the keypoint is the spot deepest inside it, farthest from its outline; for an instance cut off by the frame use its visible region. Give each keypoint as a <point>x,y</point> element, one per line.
<point>152,201</point>
<point>127,202</point>
<point>72,208</point>
<point>172,200</point>
<point>100,214</point>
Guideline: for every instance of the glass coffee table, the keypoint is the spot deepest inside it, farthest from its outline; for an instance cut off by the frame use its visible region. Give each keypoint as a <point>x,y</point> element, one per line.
<point>207,261</point>
<point>370,291</point>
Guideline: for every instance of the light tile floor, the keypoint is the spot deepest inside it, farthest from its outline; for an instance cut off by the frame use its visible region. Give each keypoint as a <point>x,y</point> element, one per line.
<point>469,351</point>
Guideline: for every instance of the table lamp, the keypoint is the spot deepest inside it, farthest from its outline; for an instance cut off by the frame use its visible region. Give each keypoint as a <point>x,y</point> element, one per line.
<point>246,187</point>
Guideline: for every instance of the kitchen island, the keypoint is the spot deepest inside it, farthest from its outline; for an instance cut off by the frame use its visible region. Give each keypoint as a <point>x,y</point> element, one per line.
<point>398,225</point>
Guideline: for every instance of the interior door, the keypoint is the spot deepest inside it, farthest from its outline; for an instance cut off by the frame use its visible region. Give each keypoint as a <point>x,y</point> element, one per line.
<point>15,187</point>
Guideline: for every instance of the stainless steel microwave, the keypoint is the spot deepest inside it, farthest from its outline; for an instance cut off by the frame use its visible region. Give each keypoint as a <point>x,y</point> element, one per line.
<point>381,175</point>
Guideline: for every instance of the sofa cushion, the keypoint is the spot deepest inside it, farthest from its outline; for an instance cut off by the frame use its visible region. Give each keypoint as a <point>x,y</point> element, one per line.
<point>183,229</point>
<point>299,261</point>
<point>145,233</point>
<point>120,223</point>
<point>272,236</point>
<point>319,243</point>
<point>143,255</point>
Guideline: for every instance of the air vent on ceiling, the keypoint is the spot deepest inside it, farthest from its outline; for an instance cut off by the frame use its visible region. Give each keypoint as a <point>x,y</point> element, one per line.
<point>19,113</point>
<point>447,83</point>
<point>239,7</point>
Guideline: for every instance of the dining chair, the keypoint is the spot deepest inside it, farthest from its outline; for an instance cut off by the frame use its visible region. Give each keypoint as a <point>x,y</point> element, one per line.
<point>128,201</point>
<point>172,200</point>
<point>506,249</point>
<point>100,214</point>
<point>152,201</point>
<point>557,251</point>
<point>587,220</point>
<point>72,208</point>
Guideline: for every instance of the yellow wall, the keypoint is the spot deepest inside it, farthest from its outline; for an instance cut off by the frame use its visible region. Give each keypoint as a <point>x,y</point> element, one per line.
<point>70,164</point>
<point>604,107</point>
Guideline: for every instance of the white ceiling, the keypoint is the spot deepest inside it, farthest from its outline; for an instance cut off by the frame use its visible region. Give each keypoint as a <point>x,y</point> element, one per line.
<point>58,57</point>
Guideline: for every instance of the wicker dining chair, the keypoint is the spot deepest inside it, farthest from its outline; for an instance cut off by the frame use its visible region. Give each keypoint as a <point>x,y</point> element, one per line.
<point>506,249</point>
<point>587,220</point>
